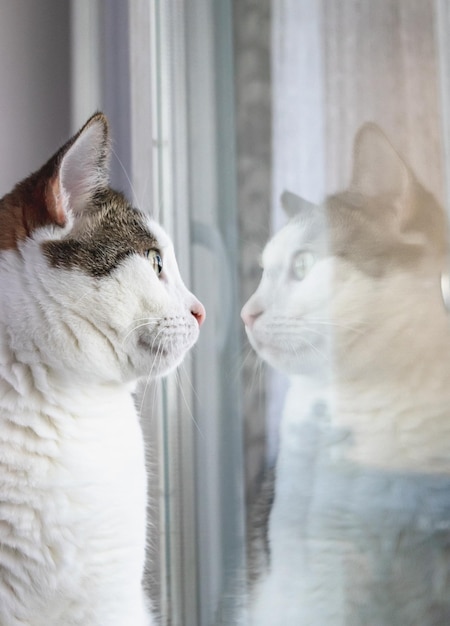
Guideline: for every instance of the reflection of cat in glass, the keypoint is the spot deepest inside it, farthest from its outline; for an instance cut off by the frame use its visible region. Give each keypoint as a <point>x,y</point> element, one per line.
<point>350,306</point>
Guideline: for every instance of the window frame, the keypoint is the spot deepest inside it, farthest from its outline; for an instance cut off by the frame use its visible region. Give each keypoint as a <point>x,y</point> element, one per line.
<point>165,104</point>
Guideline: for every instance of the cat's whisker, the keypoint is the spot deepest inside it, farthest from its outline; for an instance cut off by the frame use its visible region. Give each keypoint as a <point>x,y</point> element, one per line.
<point>261,372</point>
<point>323,355</point>
<point>152,379</point>
<point>153,367</point>
<point>143,319</point>
<point>337,325</point>
<point>158,357</point>
<point>148,380</point>
<point>188,407</point>
<point>242,363</point>
<point>124,170</point>
<point>182,366</point>
<point>148,322</point>
<point>154,384</point>
<point>257,367</point>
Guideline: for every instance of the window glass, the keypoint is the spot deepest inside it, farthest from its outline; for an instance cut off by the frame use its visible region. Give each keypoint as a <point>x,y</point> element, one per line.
<point>201,511</point>
<point>350,526</point>
<point>306,465</point>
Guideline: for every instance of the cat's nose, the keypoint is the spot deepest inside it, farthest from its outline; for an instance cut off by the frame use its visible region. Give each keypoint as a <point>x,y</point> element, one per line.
<point>249,316</point>
<point>198,311</point>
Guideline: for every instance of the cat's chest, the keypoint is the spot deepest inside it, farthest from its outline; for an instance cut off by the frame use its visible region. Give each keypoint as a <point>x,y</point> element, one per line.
<point>73,497</point>
<point>85,466</point>
<point>101,481</point>
<point>101,451</point>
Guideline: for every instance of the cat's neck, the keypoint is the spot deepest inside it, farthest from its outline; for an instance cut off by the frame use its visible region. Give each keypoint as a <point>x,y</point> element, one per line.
<point>27,388</point>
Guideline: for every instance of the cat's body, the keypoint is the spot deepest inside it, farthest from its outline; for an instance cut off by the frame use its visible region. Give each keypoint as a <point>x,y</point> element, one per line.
<point>359,531</point>
<point>91,300</point>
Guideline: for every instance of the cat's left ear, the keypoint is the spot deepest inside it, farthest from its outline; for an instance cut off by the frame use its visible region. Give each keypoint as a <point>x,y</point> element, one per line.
<point>80,169</point>
<point>294,205</point>
<point>378,169</point>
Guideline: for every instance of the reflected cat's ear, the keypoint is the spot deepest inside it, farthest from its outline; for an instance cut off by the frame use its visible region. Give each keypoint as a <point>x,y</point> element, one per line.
<point>294,205</point>
<point>79,170</point>
<point>378,169</point>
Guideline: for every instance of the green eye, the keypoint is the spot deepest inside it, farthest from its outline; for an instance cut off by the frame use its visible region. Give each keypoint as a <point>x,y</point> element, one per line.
<point>155,259</point>
<point>302,264</point>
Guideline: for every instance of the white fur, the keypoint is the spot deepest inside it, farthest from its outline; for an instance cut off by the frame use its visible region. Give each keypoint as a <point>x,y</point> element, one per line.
<point>72,474</point>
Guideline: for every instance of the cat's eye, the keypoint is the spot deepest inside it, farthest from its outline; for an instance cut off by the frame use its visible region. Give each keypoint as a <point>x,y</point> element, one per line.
<point>302,264</point>
<point>155,259</point>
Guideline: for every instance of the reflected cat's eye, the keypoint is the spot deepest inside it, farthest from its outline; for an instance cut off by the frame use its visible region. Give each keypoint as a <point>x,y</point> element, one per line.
<point>302,264</point>
<point>155,259</point>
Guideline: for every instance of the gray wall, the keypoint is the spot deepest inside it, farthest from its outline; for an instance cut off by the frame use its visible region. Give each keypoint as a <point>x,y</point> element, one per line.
<point>34,85</point>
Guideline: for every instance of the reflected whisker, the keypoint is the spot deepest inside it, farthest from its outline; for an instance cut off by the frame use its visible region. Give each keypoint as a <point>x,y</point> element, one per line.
<point>243,363</point>
<point>344,326</point>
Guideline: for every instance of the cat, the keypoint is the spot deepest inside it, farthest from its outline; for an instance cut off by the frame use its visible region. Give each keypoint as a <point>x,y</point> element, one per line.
<point>350,306</point>
<point>91,300</point>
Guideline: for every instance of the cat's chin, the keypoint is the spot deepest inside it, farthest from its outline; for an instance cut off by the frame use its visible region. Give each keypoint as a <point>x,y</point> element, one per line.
<point>164,359</point>
<point>168,366</point>
<point>307,360</point>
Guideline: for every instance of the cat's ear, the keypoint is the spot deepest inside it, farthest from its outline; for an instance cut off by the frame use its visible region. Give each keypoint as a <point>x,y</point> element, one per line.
<point>294,205</point>
<point>79,170</point>
<point>378,169</point>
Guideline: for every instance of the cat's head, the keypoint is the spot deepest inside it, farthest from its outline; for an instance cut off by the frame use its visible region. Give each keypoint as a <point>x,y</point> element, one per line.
<point>344,283</point>
<point>89,285</point>
<point>285,319</point>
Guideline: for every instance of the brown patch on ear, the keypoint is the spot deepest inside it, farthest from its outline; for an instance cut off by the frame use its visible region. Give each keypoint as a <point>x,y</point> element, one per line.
<point>29,206</point>
<point>39,200</point>
<point>11,226</point>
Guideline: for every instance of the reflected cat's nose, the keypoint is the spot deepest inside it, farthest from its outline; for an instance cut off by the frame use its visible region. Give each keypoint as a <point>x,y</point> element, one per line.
<point>249,315</point>
<point>198,311</point>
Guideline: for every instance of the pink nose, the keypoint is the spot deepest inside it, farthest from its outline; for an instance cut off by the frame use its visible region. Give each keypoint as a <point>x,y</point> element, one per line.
<point>198,311</point>
<point>249,317</point>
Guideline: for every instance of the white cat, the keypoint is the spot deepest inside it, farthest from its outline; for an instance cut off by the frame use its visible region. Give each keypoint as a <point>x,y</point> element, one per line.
<point>350,306</point>
<point>91,299</point>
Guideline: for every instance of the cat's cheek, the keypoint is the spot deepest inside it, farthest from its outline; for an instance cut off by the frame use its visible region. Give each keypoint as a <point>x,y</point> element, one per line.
<point>274,357</point>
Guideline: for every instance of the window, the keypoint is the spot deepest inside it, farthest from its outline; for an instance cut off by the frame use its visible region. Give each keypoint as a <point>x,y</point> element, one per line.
<point>228,105</point>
